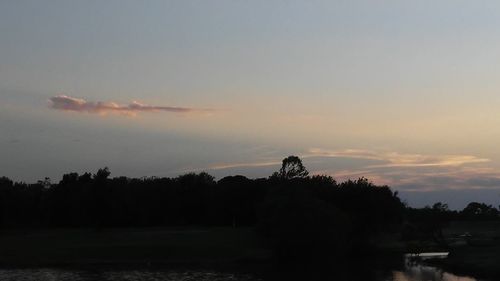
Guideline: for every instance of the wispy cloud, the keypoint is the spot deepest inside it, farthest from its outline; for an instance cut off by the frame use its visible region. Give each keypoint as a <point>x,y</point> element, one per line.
<point>413,172</point>
<point>426,179</point>
<point>347,153</point>
<point>395,159</point>
<point>418,160</point>
<point>221,169</point>
<point>240,165</point>
<point>67,103</point>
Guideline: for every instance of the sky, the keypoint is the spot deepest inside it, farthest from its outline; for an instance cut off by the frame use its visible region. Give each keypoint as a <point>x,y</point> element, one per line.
<point>404,93</point>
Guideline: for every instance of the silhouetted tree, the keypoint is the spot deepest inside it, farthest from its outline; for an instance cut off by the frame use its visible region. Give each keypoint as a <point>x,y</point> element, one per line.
<point>427,224</point>
<point>481,211</point>
<point>5,193</point>
<point>303,228</point>
<point>102,174</point>
<point>235,201</point>
<point>291,168</point>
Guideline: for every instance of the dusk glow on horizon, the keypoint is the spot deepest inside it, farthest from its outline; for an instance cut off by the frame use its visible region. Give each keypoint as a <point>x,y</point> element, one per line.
<point>406,94</point>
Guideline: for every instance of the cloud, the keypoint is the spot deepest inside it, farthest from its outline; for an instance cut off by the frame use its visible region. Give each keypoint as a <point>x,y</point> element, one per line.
<point>395,159</point>
<point>67,103</point>
<point>423,179</point>
<point>245,165</point>
<point>347,153</point>
<point>449,182</point>
<point>412,173</point>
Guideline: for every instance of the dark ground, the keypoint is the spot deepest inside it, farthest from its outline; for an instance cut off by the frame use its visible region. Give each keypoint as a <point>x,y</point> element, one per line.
<point>130,246</point>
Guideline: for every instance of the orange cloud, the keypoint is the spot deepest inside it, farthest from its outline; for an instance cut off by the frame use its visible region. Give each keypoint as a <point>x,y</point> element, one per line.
<point>66,103</point>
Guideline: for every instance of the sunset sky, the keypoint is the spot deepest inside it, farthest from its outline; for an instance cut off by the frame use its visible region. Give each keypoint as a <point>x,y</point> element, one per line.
<point>405,93</point>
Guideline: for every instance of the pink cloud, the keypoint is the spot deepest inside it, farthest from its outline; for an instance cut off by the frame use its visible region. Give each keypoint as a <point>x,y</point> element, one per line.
<point>67,103</point>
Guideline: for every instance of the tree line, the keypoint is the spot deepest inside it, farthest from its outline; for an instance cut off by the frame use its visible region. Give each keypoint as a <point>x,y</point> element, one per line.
<point>297,213</point>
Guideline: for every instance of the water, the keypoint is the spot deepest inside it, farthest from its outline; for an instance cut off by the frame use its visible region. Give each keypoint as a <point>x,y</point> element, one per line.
<point>414,271</point>
<point>426,273</point>
<point>47,274</point>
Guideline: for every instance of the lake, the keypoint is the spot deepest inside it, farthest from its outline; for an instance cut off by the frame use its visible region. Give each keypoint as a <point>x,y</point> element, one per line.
<point>47,274</point>
<point>413,271</point>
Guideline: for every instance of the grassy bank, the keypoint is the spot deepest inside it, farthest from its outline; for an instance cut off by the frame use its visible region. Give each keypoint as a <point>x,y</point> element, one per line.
<point>135,246</point>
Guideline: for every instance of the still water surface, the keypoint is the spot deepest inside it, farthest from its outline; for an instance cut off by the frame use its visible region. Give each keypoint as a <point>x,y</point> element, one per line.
<point>115,275</point>
<point>416,271</point>
<point>413,271</point>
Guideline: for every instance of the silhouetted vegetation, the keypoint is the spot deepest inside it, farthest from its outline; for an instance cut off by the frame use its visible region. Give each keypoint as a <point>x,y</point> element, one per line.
<point>303,218</point>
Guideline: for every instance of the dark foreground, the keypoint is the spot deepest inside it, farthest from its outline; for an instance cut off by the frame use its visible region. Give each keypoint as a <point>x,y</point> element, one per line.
<point>477,253</point>
<point>214,254</point>
<point>132,246</point>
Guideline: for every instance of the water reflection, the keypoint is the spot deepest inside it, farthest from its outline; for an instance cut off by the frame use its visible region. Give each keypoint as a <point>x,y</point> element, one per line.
<point>416,271</point>
<point>115,275</point>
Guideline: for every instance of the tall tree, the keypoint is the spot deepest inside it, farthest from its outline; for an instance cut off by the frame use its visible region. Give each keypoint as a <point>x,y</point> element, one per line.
<point>291,168</point>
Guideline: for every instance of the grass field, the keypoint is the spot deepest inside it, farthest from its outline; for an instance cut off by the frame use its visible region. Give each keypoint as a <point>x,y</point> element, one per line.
<point>144,246</point>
